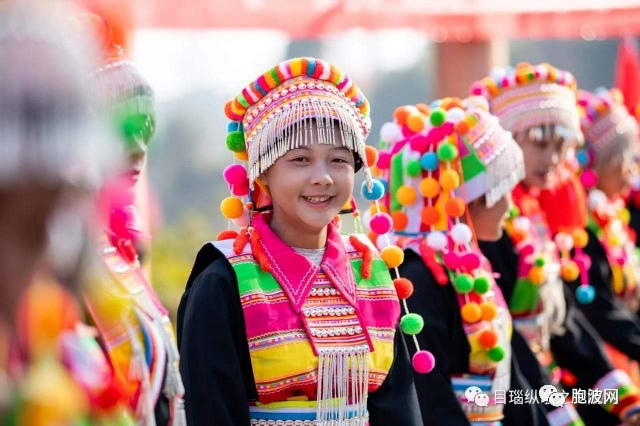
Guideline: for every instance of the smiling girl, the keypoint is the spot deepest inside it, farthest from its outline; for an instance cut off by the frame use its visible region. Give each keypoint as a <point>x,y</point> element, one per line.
<point>290,322</point>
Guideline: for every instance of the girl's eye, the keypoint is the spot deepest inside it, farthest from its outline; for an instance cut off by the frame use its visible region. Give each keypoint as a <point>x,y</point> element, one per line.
<point>339,160</point>
<point>299,159</point>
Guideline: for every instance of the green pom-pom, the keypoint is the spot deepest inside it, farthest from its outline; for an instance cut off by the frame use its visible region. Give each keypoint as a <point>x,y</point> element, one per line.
<point>438,117</point>
<point>414,168</point>
<point>481,285</point>
<point>411,324</point>
<point>514,212</point>
<point>447,152</point>
<point>539,262</point>
<point>496,354</point>
<point>235,141</point>
<point>463,283</point>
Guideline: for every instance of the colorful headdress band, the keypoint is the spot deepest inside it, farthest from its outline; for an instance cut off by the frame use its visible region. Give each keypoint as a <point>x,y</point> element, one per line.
<point>529,96</point>
<point>605,119</point>
<point>272,114</point>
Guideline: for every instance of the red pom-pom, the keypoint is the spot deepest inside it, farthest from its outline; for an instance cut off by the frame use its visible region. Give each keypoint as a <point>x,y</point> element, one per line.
<point>367,255</point>
<point>488,339</point>
<point>227,234</point>
<point>404,288</point>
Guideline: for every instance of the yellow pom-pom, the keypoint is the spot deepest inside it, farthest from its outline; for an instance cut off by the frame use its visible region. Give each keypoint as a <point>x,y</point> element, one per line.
<point>569,271</point>
<point>537,275</point>
<point>625,216</point>
<point>580,238</point>
<point>489,311</point>
<point>242,156</point>
<point>406,195</point>
<point>393,256</point>
<point>429,187</point>
<point>471,312</point>
<point>232,207</point>
<point>450,180</point>
<point>415,122</point>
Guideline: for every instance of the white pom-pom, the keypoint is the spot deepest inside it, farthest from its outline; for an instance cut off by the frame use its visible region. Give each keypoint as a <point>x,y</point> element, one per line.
<point>635,182</point>
<point>563,241</point>
<point>366,218</point>
<point>437,241</point>
<point>390,133</point>
<point>543,72</point>
<point>455,115</point>
<point>597,199</point>
<point>461,234</point>
<point>522,223</point>
<point>497,73</point>
<point>243,220</point>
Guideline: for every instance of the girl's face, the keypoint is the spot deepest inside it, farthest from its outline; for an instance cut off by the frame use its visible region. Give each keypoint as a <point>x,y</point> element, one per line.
<point>310,185</point>
<point>489,221</point>
<point>615,177</point>
<point>137,130</point>
<point>541,159</point>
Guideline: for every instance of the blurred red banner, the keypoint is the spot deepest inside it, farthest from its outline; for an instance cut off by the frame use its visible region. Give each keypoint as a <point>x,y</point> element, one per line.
<point>451,20</point>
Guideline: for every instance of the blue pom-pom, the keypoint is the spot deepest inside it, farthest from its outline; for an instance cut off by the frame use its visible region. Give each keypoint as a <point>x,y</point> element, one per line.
<point>435,104</point>
<point>429,161</point>
<point>233,126</point>
<point>585,294</point>
<point>583,157</point>
<point>385,184</point>
<point>377,190</point>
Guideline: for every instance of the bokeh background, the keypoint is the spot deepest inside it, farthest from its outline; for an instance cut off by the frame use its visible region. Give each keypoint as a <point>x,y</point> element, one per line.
<point>197,54</point>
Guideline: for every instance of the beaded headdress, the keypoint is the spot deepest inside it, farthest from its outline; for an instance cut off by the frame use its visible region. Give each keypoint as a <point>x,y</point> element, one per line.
<point>532,96</point>
<point>435,160</point>
<point>609,131</point>
<point>272,114</point>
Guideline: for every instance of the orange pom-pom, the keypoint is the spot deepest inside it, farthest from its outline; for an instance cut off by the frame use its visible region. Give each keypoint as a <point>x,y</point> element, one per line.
<point>429,187</point>
<point>580,238</point>
<point>518,236</point>
<point>462,127</point>
<point>454,207</point>
<point>488,339</point>
<point>569,271</point>
<point>536,275</point>
<point>375,171</point>
<point>242,156</point>
<point>401,114</point>
<point>227,234</point>
<point>449,180</point>
<point>415,122</point>
<point>400,220</point>
<point>371,154</point>
<point>393,256</point>
<point>373,237</point>
<point>232,207</point>
<point>227,110</point>
<point>406,195</point>
<point>489,311</point>
<point>430,215</point>
<point>471,312</point>
<point>424,109</point>
<point>404,288</point>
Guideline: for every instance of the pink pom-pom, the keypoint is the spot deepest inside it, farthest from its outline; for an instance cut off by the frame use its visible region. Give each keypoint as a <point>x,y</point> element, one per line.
<point>235,174</point>
<point>589,178</point>
<point>505,82</point>
<point>583,261</point>
<point>527,249</point>
<point>384,160</point>
<point>381,223</point>
<point>471,261</point>
<point>423,361</point>
<point>241,189</point>
<point>451,260</point>
<point>563,241</point>
<point>477,89</point>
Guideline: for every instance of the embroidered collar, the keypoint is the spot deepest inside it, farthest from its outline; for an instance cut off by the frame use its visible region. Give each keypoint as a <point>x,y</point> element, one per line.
<point>296,274</point>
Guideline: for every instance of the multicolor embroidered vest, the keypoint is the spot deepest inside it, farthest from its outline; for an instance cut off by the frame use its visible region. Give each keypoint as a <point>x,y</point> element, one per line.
<point>320,337</point>
<point>138,334</point>
<point>611,227</point>
<point>538,308</point>
<point>492,378</point>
